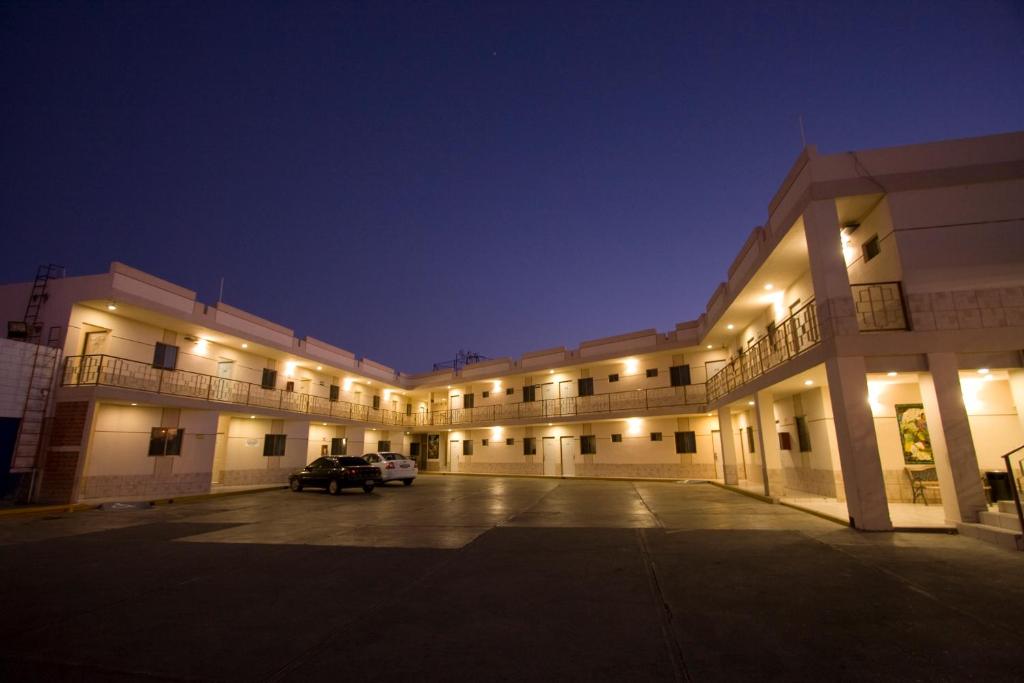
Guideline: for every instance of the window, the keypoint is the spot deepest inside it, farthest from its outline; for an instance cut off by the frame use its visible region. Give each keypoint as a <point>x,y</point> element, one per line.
<point>803,436</point>
<point>289,386</point>
<point>614,377</point>
<point>339,446</point>
<point>165,356</point>
<point>273,444</point>
<point>376,402</point>
<point>686,442</point>
<point>785,441</point>
<point>585,386</point>
<point>467,447</point>
<point>588,444</point>
<point>510,442</point>
<point>655,436</point>
<point>485,394</point>
<point>751,448</point>
<point>616,438</point>
<point>269,379</point>
<point>509,391</point>
<point>772,335</point>
<point>652,372</point>
<point>467,401</point>
<point>408,409</point>
<point>679,375</point>
<point>383,445</point>
<point>485,442</point>
<point>164,441</point>
<point>871,249</point>
<point>529,394</point>
<point>335,392</point>
<point>529,445</point>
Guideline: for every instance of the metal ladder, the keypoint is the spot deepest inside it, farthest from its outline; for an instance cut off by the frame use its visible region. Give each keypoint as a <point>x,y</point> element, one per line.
<point>37,400</point>
<point>37,298</point>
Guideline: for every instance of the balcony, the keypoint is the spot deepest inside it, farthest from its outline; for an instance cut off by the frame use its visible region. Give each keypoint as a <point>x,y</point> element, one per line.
<point>111,371</point>
<point>879,306</point>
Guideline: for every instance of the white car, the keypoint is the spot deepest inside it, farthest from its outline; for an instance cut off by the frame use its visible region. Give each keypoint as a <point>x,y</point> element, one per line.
<point>393,466</point>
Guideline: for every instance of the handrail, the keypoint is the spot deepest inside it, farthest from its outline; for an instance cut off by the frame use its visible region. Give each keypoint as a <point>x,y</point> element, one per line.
<point>101,369</point>
<point>788,339</point>
<point>1013,484</point>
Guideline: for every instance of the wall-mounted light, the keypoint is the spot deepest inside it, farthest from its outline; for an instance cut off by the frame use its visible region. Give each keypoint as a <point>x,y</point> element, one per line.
<point>891,373</point>
<point>769,287</point>
<point>346,383</point>
<point>111,306</point>
<point>289,368</point>
<point>244,345</point>
<point>135,404</point>
<point>634,425</point>
<point>983,371</point>
<point>750,403</point>
<point>709,347</point>
<point>808,382</point>
<point>252,417</point>
<point>319,367</point>
<point>632,365</point>
<point>730,326</point>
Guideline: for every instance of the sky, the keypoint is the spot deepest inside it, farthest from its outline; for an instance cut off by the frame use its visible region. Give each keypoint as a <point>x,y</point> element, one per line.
<point>409,179</point>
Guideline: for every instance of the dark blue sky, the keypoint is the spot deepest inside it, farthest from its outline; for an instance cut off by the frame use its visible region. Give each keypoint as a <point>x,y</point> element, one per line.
<point>408,179</point>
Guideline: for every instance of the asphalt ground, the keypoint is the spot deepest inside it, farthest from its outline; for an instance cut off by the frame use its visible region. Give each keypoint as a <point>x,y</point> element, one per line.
<point>473,578</point>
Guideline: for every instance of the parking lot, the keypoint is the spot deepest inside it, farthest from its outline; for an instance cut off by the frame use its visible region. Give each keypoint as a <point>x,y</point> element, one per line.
<point>490,578</point>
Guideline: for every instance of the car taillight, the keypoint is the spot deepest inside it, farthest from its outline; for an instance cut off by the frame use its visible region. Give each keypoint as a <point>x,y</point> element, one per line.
<point>390,466</point>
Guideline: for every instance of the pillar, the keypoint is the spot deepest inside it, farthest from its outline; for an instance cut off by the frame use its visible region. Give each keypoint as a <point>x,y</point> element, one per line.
<point>963,496</point>
<point>1017,391</point>
<point>831,282</point>
<point>356,440</point>
<point>767,434</point>
<point>728,436</point>
<point>863,480</point>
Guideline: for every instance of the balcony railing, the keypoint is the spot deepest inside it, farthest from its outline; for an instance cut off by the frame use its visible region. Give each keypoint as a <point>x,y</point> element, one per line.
<point>879,306</point>
<point>111,371</point>
<point>783,342</point>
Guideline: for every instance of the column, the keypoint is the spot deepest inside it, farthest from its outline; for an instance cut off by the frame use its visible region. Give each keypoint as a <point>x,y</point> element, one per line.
<point>356,437</point>
<point>836,313</point>
<point>1017,391</point>
<point>963,496</point>
<point>771,463</point>
<point>728,436</point>
<point>863,481</point>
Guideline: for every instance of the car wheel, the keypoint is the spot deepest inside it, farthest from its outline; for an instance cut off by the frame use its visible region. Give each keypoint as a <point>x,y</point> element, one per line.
<point>408,482</point>
<point>334,487</point>
<point>367,488</point>
<point>295,485</point>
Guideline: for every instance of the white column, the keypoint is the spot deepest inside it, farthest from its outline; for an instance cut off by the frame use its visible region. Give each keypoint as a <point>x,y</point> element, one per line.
<point>963,477</point>
<point>725,430</point>
<point>768,439</point>
<point>863,481</point>
<point>356,437</point>
<point>836,314</point>
<point>1017,391</point>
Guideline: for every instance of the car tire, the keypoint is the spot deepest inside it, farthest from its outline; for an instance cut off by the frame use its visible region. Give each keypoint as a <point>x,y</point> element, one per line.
<point>367,488</point>
<point>295,485</point>
<point>408,482</point>
<point>334,487</point>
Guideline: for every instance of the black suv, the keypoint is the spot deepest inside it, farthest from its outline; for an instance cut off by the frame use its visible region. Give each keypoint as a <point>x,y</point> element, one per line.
<point>334,473</point>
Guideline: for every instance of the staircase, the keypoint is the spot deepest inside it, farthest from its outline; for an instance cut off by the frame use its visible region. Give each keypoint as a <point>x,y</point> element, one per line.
<point>999,527</point>
<point>37,399</point>
<point>37,298</point>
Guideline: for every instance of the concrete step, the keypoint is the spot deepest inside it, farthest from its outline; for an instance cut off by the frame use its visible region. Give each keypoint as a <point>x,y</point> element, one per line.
<point>1004,538</point>
<point>1003,520</point>
<point>1007,506</point>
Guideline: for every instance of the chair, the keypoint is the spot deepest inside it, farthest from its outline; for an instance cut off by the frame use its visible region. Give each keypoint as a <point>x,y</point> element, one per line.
<point>922,478</point>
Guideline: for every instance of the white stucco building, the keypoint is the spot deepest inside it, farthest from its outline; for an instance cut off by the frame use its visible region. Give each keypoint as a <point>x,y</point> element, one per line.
<point>869,336</point>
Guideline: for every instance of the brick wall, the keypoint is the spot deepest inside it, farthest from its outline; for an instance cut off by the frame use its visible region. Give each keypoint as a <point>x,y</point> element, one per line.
<point>61,465</point>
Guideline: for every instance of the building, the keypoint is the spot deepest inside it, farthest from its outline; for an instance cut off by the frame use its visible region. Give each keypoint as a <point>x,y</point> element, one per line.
<point>864,353</point>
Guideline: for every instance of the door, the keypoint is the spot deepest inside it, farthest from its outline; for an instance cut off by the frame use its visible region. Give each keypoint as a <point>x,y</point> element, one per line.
<point>567,397</point>
<point>716,446</point>
<point>552,455</point>
<point>454,455</point>
<point>568,456</point>
<point>225,368</point>
<point>94,342</point>
<point>548,394</point>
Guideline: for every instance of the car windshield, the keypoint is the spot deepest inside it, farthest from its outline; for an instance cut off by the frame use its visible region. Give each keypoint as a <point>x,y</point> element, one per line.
<point>351,462</point>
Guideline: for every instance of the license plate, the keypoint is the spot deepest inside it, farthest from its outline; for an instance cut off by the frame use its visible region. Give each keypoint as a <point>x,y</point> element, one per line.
<point>405,465</point>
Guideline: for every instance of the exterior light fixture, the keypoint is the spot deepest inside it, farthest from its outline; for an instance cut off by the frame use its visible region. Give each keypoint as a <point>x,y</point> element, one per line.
<point>729,326</point>
<point>135,404</point>
<point>252,417</point>
<point>808,382</point>
<point>244,345</point>
<point>709,347</point>
<point>551,372</point>
<point>983,371</point>
<point>319,367</point>
<point>323,424</point>
<point>549,424</point>
<point>891,373</point>
<point>769,287</point>
<point>111,306</point>
<point>750,403</point>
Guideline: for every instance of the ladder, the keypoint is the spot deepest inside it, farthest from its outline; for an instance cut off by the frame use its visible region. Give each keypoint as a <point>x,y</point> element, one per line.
<point>37,298</point>
<point>37,399</point>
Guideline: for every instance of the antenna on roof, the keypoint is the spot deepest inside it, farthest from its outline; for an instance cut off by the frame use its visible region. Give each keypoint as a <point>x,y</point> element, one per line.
<point>220,297</point>
<point>803,137</point>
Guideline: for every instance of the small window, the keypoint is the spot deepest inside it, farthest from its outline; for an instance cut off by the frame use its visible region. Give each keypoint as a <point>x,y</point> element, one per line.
<point>335,393</point>
<point>751,447</point>
<point>339,446</point>
<point>529,445</point>
<point>485,442</point>
<point>269,379</point>
<point>785,441</point>
<point>165,356</point>
<point>803,435</point>
<point>467,447</point>
<point>655,436</point>
<point>871,249</point>
<point>652,372</point>
<point>289,386</point>
<point>376,402</point>
<point>509,391</point>
<point>585,386</point>
<point>383,445</point>
<point>679,375</point>
<point>614,377</point>
<point>616,438</point>
<point>485,394</point>
<point>588,444</point>
<point>529,394</point>
<point>686,442</point>
<point>165,441</point>
<point>510,442</point>
<point>467,401</point>
<point>273,444</point>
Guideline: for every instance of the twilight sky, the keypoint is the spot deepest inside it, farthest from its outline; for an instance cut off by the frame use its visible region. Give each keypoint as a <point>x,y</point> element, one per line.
<point>408,179</point>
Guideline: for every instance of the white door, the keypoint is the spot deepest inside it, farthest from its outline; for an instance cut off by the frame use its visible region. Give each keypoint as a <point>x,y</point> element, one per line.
<point>454,455</point>
<point>94,342</point>
<point>548,393</point>
<point>568,456</point>
<point>454,402</point>
<point>551,456</point>
<point>716,445</point>
<point>225,368</point>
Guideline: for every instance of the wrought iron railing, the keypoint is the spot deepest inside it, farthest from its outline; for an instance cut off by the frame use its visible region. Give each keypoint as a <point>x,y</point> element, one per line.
<point>879,306</point>
<point>103,370</point>
<point>1014,488</point>
<point>783,342</point>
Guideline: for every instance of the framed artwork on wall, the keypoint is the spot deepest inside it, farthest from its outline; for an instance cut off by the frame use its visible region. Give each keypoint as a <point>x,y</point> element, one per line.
<point>917,445</point>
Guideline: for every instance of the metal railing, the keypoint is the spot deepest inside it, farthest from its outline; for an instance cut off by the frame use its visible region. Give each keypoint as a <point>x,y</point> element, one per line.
<point>1014,489</point>
<point>783,342</point>
<point>103,370</point>
<point>879,306</point>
